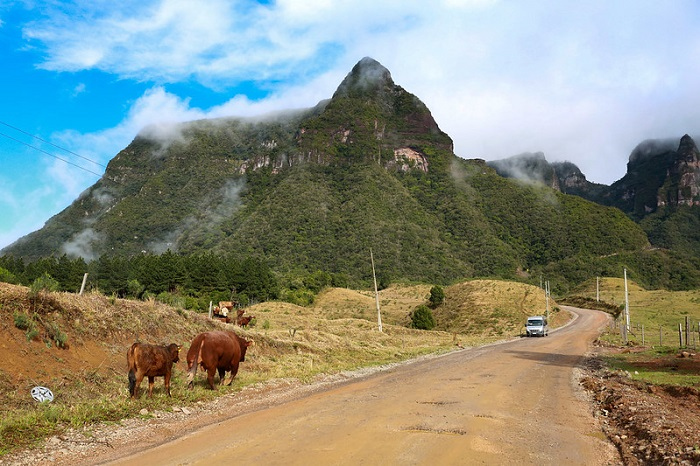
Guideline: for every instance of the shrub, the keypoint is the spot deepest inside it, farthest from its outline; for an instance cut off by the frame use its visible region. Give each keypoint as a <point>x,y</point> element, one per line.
<point>134,289</point>
<point>7,276</point>
<point>31,333</point>
<point>422,318</point>
<point>437,296</point>
<point>300,297</point>
<point>43,283</point>
<point>23,321</point>
<point>55,334</point>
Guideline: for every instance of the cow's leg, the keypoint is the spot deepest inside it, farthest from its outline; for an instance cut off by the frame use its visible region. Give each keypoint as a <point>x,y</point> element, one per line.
<point>234,371</point>
<point>210,377</point>
<point>222,374</point>
<point>151,381</point>
<point>167,383</point>
<point>139,378</point>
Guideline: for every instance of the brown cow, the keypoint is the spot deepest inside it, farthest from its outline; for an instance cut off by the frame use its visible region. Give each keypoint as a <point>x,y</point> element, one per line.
<point>243,321</point>
<point>216,351</point>
<point>150,361</point>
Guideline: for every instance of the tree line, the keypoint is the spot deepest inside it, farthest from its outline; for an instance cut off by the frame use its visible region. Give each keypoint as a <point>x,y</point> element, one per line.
<point>188,281</point>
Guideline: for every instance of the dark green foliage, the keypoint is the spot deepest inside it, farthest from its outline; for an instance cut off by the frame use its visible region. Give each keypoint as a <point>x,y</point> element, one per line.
<point>437,296</point>
<point>56,335</point>
<point>23,321</point>
<point>650,268</point>
<point>7,277</point>
<point>185,281</point>
<point>43,283</point>
<point>220,212</point>
<point>422,318</point>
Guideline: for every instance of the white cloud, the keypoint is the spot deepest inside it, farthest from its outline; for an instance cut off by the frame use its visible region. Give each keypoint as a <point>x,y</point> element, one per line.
<point>79,89</point>
<point>581,81</point>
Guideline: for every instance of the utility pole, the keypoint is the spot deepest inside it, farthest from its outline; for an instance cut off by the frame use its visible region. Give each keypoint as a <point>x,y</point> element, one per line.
<point>82,287</point>
<point>627,304</point>
<point>546,297</point>
<point>376,292</point>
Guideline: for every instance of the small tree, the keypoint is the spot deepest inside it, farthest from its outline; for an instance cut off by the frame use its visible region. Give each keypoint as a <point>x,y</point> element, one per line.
<point>42,283</point>
<point>437,296</point>
<point>422,318</point>
<point>134,289</point>
<point>7,276</point>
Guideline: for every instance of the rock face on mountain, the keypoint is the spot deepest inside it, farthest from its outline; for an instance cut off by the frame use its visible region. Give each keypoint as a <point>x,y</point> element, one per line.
<point>682,183</point>
<point>658,175</point>
<point>315,189</point>
<point>565,177</point>
<point>370,118</point>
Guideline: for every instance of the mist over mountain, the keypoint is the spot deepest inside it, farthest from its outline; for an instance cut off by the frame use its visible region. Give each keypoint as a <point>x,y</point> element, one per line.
<point>661,189</point>
<point>315,189</point>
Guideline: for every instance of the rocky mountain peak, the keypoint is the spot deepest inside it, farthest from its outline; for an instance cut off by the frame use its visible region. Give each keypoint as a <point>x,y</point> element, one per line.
<point>368,76</point>
<point>688,150</point>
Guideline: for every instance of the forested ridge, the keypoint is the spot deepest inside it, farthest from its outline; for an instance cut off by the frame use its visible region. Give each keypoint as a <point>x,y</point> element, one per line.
<point>302,197</point>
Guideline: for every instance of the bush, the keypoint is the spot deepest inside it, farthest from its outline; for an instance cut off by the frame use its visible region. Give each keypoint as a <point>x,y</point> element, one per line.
<point>43,283</point>
<point>437,296</point>
<point>422,318</point>
<point>134,289</point>
<point>301,297</point>
<point>7,276</point>
<point>23,321</point>
<point>55,334</point>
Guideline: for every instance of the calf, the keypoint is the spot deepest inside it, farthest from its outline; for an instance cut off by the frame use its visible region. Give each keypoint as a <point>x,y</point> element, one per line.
<point>150,361</point>
<point>243,321</point>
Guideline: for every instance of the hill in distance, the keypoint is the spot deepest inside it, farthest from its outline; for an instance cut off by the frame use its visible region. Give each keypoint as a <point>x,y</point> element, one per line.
<point>317,188</point>
<point>661,190</point>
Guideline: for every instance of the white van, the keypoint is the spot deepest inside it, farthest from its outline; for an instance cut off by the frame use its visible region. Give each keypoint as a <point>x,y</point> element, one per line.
<point>536,326</point>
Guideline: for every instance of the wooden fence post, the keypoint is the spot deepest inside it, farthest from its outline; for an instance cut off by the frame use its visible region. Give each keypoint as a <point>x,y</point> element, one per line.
<point>642,335</point>
<point>680,335</point>
<point>687,331</point>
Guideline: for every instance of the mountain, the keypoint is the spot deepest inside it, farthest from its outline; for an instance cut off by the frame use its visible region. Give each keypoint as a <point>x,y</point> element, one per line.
<point>660,173</point>
<point>658,176</point>
<point>660,190</point>
<point>528,167</point>
<point>317,188</point>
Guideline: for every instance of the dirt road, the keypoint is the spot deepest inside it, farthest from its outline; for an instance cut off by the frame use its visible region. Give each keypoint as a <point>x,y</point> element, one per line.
<point>508,403</point>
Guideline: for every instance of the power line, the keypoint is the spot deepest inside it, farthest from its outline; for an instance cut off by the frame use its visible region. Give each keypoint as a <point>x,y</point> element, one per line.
<point>50,154</point>
<point>48,142</point>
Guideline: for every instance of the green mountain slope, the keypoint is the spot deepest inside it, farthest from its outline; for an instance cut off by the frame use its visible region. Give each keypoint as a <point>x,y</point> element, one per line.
<point>315,189</point>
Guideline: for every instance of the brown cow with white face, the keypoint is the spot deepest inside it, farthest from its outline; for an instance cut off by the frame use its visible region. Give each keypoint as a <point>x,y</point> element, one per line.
<point>220,351</point>
<point>150,361</point>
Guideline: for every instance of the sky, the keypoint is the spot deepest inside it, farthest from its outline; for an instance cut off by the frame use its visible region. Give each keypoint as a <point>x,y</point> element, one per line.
<point>583,82</point>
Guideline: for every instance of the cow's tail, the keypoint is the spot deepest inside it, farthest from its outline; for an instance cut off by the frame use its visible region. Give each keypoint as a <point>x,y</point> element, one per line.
<point>192,371</point>
<point>131,362</point>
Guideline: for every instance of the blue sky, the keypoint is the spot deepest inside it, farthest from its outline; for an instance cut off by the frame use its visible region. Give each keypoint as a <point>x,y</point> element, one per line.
<point>580,81</point>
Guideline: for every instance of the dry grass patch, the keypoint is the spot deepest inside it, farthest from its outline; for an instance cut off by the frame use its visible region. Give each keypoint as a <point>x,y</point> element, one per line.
<point>338,333</point>
<point>493,308</point>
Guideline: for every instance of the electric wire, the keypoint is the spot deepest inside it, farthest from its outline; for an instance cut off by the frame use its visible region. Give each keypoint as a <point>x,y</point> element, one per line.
<point>50,154</point>
<point>48,142</point>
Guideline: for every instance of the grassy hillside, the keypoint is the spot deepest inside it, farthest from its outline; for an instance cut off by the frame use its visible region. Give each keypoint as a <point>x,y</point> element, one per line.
<point>651,308</point>
<point>494,308</point>
<point>87,371</point>
<point>653,352</point>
